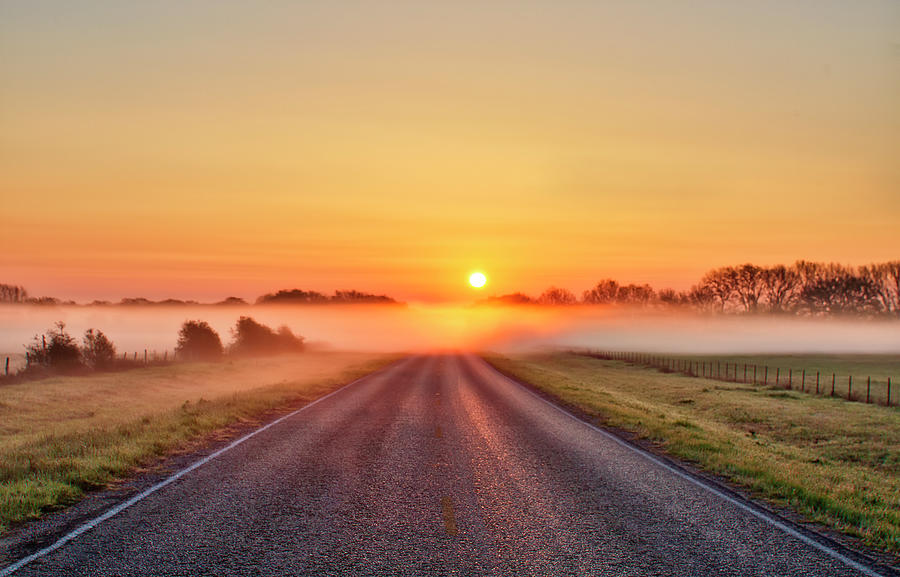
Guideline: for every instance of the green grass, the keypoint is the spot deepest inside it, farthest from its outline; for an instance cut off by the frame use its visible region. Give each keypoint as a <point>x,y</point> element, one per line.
<point>834,462</point>
<point>789,369</point>
<point>62,436</point>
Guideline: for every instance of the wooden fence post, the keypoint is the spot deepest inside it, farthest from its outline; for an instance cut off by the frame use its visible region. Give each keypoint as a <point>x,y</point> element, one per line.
<point>766,382</point>
<point>754,375</point>
<point>7,366</point>
<point>817,382</point>
<point>791,379</point>
<point>868,389</point>
<point>889,392</point>
<point>850,388</point>
<point>803,382</point>
<point>778,376</point>
<point>832,384</point>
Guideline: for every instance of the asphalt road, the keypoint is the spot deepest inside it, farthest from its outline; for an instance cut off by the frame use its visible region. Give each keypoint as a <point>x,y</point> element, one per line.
<point>436,466</point>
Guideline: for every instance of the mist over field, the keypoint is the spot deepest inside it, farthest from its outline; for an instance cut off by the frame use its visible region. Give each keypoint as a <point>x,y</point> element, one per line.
<point>434,327</point>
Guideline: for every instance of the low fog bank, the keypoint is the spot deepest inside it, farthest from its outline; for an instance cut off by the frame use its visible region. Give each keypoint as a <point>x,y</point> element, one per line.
<point>431,327</point>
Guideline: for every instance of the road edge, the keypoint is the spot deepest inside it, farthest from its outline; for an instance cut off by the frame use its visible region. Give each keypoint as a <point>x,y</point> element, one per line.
<point>206,454</point>
<point>862,560</point>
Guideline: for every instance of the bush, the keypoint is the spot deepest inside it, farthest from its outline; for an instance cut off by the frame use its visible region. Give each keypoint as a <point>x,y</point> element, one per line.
<point>98,351</point>
<point>198,341</point>
<point>56,349</point>
<point>253,338</point>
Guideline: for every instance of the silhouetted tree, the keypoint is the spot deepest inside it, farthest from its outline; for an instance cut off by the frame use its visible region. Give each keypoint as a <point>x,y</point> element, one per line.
<point>294,296</point>
<point>230,301</point>
<point>635,294</point>
<point>253,338</point>
<point>12,294</point>
<point>749,286</point>
<point>97,350</point>
<point>885,278</point>
<point>288,341</point>
<point>781,288</point>
<point>720,285</point>
<point>835,289</point>
<point>511,299</point>
<point>668,296</point>
<point>557,296</point>
<point>56,349</point>
<point>354,297</point>
<point>43,301</point>
<point>606,291</point>
<point>702,298</point>
<point>198,341</point>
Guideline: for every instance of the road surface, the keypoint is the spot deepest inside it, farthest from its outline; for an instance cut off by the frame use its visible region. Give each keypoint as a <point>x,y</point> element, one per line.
<point>437,465</point>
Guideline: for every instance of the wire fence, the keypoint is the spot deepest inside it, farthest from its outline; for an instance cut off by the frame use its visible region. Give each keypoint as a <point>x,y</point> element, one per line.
<point>15,364</point>
<point>864,389</point>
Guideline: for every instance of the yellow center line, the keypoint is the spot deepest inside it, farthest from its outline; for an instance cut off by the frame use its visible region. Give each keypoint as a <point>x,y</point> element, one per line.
<point>449,516</point>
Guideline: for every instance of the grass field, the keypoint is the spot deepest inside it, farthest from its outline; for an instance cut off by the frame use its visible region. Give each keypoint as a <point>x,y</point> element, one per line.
<point>879,368</point>
<point>64,435</point>
<point>834,462</point>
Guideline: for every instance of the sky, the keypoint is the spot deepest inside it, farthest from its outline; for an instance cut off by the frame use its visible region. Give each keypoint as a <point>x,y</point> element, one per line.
<point>207,149</point>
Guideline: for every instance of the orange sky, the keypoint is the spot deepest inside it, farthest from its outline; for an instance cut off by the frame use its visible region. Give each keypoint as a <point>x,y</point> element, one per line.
<point>200,151</point>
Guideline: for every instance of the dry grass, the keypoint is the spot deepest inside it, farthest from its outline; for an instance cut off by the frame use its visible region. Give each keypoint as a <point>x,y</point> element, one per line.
<point>833,462</point>
<point>64,435</point>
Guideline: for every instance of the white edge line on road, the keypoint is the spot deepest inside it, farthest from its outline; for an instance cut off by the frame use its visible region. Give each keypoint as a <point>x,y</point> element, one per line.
<point>752,510</point>
<point>10,569</point>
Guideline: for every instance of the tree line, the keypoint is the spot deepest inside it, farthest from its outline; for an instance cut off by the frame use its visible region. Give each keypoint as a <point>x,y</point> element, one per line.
<point>14,294</point>
<point>58,351</point>
<point>804,288</point>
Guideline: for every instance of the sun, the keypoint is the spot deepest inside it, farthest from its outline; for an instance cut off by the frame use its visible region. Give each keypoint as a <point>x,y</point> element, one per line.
<point>477,279</point>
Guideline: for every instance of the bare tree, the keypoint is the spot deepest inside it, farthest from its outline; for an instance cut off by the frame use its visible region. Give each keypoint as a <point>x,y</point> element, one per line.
<point>749,284</point>
<point>606,291</point>
<point>885,278</point>
<point>781,287</point>
<point>636,294</point>
<point>557,296</point>
<point>720,284</point>
<point>835,289</point>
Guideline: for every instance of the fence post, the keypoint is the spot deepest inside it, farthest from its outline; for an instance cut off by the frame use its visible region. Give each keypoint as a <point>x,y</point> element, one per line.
<point>850,388</point>
<point>832,384</point>
<point>767,375</point>
<point>778,376</point>
<point>745,372</point>
<point>7,366</point>
<point>889,392</point>
<point>868,389</point>
<point>145,356</point>
<point>754,375</point>
<point>817,382</point>
<point>135,356</point>
<point>791,379</point>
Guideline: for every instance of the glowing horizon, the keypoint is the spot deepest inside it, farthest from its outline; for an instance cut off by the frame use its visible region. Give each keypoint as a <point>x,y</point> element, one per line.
<point>210,150</point>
